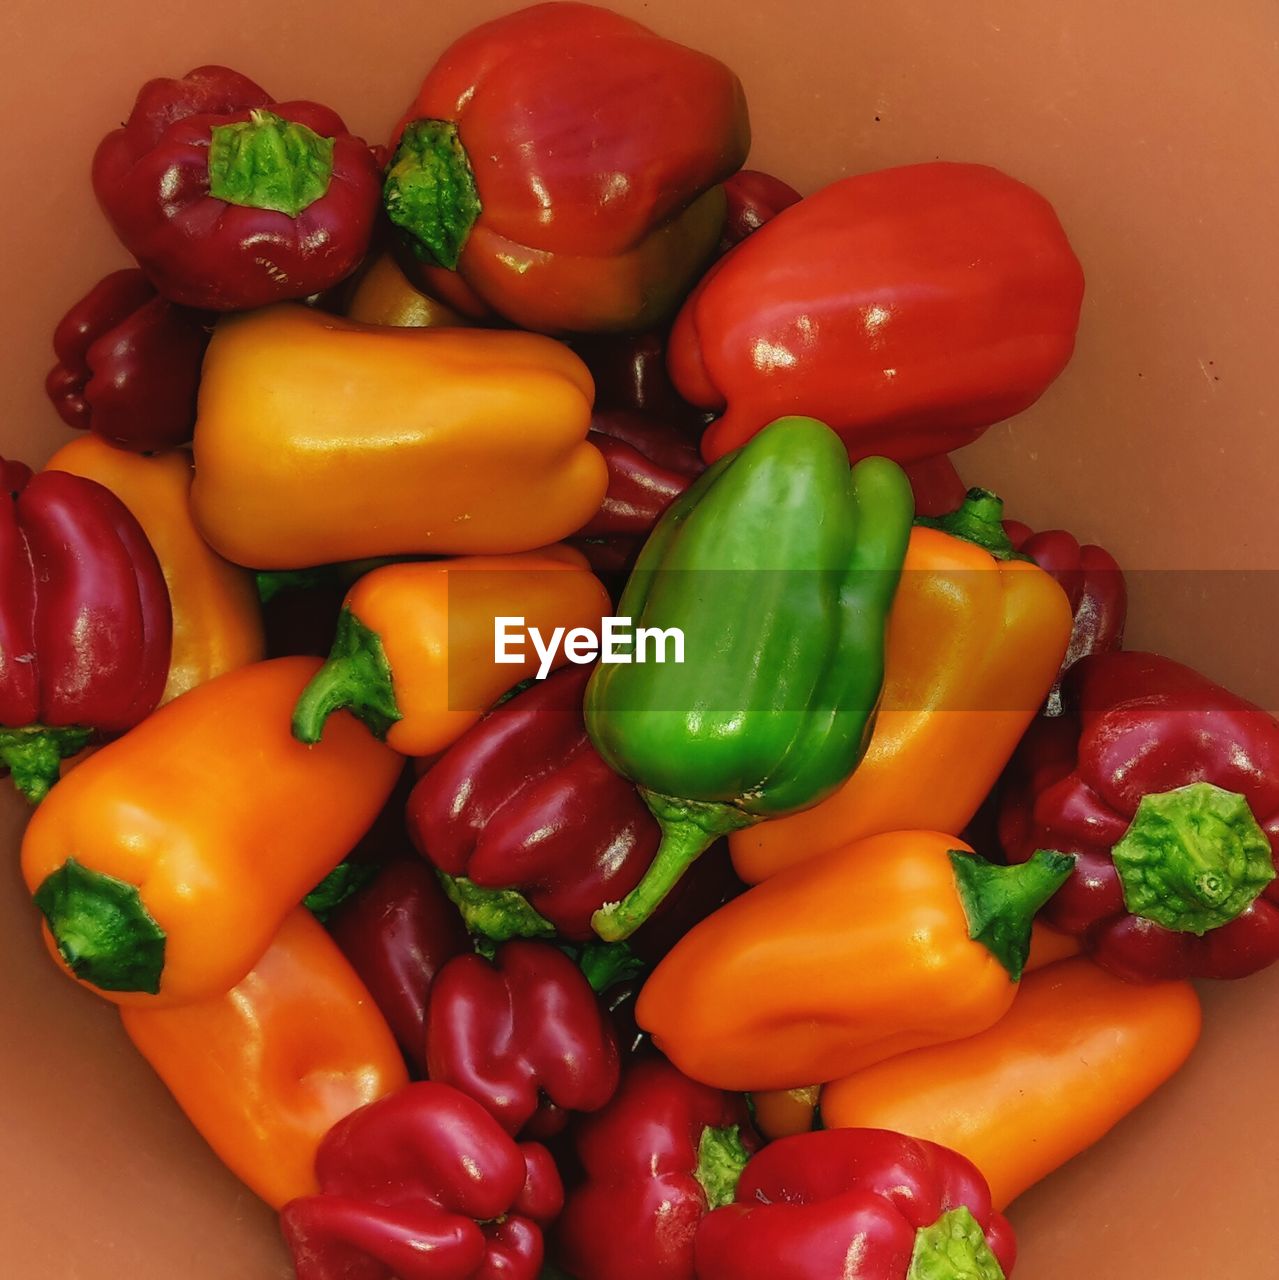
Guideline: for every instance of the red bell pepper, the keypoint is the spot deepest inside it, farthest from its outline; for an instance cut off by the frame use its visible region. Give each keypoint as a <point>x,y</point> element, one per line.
<point>524,1035</point>
<point>519,166</point>
<point>229,200</point>
<point>936,485</point>
<point>909,309</point>
<point>754,198</point>
<point>129,364</point>
<point>85,621</point>
<point>423,1185</point>
<point>629,371</point>
<point>1166,788</point>
<point>860,1204</point>
<point>656,1160</point>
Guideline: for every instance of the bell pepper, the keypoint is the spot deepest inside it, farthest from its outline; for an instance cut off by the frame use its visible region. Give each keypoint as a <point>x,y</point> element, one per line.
<point>1077,1052</point>
<point>383,295</point>
<point>754,198</point>
<point>657,1159</point>
<point>230,200</point>
<point>860,1204</point>
<point>1165,787</point>
<point>381,441</point>
<point>909,308</point>
<point>164,864</point>
<point>974,644</point>
<point>519,167</point>
<point>264,1071</point>
<point>937,487</point>
<point>217,622</point>
<point>772,707</point>
<point>898,941</point>
<point>629,371</point>
<point>522,1034</point>
<point>423,1185</point>
<point>85,622</point>
<point>128,364</point>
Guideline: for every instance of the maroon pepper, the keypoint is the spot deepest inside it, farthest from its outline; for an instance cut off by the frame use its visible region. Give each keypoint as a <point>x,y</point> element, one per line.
<point>754,198</point>
<point>629,371</point>
<point>936,485</point>
<point>85,622</point>
<point>423,1185</point>
<point>229,200</point>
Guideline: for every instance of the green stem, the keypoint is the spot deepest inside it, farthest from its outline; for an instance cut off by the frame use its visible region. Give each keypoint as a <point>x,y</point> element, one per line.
<point>430,191</point>
<point>980,520</point>
<point>953,1248</point>
<point>606,964</point>
<point>356,678</point>
<point>721,1157</point>
<point>267,162</point>
<point>343,882</point>
<point>33,755</point>
<point>496,914</point>
<point>274,582</point>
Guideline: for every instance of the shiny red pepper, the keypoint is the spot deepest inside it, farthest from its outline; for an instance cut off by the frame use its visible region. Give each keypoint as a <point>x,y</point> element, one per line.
<point>85,622</point>
<point>1166,788</point>
<point>423,1185</point>
<point>129,363</point>
<point>936,485</point>
<point>754,198</point>
<point>860,1204</point>
<point>229,200</point>
<point>524,1035</point>
<point>629,371</point>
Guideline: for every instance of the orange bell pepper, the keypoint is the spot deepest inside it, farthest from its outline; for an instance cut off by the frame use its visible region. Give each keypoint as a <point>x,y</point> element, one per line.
<point>383,295</point>
<point>414,653</point>
<point>264,1071</point>
<point>217,620</point>
<point>974,644</point>
<point>319,439</point>
<point>164,864</point>
<point>898,941</point>
<point>1077,1052</point>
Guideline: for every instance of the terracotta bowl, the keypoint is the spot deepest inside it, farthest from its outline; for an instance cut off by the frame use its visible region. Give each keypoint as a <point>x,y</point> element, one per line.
<point>1152,125</point>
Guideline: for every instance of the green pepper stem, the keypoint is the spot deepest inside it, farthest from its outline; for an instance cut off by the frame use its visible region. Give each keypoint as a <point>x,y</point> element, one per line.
<point>267,162</point>
<point>606,964</point>
<point>721,1157</point>
<point>430,191</point>
<point>274,582</point>
<point>356,678</point>
<point>980,520</point>
<point>33,755</point>
<point>496,914</point>
<point>953,1248</point>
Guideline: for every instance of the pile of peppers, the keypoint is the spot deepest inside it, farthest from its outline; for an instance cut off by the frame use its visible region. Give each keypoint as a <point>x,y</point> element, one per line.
<point>800,953</point>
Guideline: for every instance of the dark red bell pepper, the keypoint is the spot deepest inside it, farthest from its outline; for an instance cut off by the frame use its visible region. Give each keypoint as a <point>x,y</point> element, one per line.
<point>629,371</point>
<point>523,1034</point>
<point>85,621</point>
<point>229,200</point>
<point>423,1185</point>
<point>754,198</point>
<point>910,309</point>
<point>656,1160</point>
<point>129,363</point>
<point>936,485</point>
<point>520,167</point>
<point>858,1204</point>
<point>1166,788</point>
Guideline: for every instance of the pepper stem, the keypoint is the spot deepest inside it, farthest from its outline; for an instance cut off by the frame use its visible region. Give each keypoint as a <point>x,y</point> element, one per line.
<point>430,191</point>
<point>496,914</point>
<point>979,519</point>
<point>1001,902</point>
<point>267,162</point>
<point>721,1157</point>
<point>356,678</point>
<point>33,755</point>
<point>274,582</point>
<point>606,964</point>
<point>953,1248</point>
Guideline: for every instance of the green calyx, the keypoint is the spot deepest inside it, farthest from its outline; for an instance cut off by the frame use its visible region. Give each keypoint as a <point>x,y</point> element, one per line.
<point>496,914</point>
<point>721,1157</point>
<point>979,520</point>
<point>343,882</point>
<point>267,162</point>
<point>1001,902</point>
<point>953,1248</point>
<point>356,678</point>
<point>430,191</point>
<point>33,755</point>
<point>102,930</point>
<point>1193,859</point>
<point>607,964</point>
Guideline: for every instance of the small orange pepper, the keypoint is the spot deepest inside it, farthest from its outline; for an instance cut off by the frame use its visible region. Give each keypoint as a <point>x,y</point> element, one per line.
<point>383,295</point>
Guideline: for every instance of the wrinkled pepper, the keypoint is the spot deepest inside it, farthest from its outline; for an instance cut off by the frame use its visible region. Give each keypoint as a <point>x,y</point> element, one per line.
<point>266,1070</point>
<point>164,864</point>
<point>898,941</point>
<point>85,622</point>
<point>424,1185</point>
<point>754,198</point>
<point>974,644</point>
<point>773,705</point>
<point>1076,1053</point>
<point>1165,787</point>
<point>383,295</point>
<point>384,441</point>
<point>656,1160</point>
<point>230,200</point>
<point>519,167</point>
<point>909,308</point>
<point>860,1204</point>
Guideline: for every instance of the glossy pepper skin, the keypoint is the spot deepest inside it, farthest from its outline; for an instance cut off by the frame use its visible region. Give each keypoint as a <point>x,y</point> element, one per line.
<point>423,1185</point>
<point>522,1034</point>
<point>1021,1099</point>
<point>229,200</point>
<point>874,318</point>
<point>128,364</point>
<point>85,622</point>
<point>165,863</point>
<point>657,1159</point>
<point>754,198</point>
<point>795,640</point>
<point>383,295</point>
<point>388,441</point>
<point>266,1070</point>
<point>1166,788</point>
<point>217,620</point>
<point>891,943</point>
<point>861,1204</point>
<point>974,645</point>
